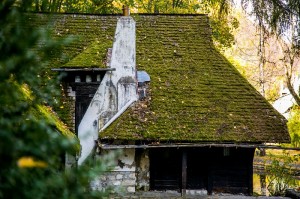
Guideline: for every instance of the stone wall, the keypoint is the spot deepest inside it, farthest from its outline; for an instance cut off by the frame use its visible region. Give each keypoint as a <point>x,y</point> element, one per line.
<point>130,174</point>
<point>119,181</point>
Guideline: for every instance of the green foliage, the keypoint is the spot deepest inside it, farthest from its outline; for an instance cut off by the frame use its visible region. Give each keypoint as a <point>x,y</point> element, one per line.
<point>294,126</point>
<point>169,6</point>
<point>71,6</point>
<point>280,174</point>
<point>272,93</point>
<point>222,32</point>
<point>31,149</point>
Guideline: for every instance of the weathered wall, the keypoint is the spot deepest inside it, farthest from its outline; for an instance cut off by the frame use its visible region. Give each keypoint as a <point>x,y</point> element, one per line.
<point>123,177</point>
<point>142,170</point>
<point>131,173</point>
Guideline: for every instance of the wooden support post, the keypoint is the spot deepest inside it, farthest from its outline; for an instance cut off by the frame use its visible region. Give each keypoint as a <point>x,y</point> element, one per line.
<point>250,179</point>
<point>250,172</point>
<point>184,173</point>
<point>209,183</point>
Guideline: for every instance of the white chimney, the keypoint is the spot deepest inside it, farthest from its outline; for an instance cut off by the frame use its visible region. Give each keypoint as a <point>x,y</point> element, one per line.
<point>117,90</point>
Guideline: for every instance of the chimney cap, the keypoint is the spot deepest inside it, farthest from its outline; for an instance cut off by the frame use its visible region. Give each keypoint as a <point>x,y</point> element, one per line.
<point>126,11</point>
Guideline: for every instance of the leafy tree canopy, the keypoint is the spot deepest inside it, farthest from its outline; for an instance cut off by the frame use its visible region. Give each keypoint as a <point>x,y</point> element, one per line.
<point>277,15</point>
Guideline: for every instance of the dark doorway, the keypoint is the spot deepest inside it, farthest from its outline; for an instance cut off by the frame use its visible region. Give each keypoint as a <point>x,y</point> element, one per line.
<point>165,169</point>
<point>232,170</point>
<point>198,166</point>
<point>215,169</point>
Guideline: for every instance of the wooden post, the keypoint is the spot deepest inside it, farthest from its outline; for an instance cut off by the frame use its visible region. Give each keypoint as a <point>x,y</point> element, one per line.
<point>209,181</point>
<point>184,173</point>
<point>250,178</point>
<point>250,171</point>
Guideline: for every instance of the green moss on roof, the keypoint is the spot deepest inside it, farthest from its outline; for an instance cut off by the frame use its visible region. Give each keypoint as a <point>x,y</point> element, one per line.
<point>196,94</point>
<point>51,116</point>
<point>93,56</point>
<point>92,34</point>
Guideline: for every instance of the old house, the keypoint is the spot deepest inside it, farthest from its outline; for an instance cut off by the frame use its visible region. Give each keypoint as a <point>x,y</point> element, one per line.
<point>155,87</point>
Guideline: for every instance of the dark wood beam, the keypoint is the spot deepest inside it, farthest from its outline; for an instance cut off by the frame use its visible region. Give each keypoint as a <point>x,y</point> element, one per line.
<point>81,69</point>
<point>184,173</point>
<point>250,173</point>
<point>244,145</point>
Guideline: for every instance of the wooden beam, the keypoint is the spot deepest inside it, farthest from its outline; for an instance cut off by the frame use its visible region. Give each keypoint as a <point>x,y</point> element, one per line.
<point>144,146</point>
<point>183,173</point>
<point>81,69</point>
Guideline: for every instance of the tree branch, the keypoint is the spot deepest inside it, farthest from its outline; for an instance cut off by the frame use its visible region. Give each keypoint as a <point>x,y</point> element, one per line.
<point>292,91</point>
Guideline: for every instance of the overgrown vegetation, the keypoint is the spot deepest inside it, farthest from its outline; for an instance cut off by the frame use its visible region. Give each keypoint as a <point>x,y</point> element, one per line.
<point>31,148</point>
<point>281,173</point>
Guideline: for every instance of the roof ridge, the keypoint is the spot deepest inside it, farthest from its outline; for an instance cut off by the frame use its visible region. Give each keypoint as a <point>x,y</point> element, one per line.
<point>119,14</point>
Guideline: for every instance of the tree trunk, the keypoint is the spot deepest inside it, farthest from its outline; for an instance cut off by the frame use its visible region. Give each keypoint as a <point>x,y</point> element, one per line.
<point>292,91</point>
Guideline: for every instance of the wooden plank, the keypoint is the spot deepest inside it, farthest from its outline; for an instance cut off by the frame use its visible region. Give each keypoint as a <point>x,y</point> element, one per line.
<point>184,173</point>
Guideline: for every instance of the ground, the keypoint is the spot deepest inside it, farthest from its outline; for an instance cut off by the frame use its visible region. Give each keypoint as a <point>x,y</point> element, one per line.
<point>172,195</point>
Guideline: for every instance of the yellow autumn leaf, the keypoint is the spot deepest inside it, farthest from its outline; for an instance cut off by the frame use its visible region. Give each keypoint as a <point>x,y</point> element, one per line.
<point>29,162</point>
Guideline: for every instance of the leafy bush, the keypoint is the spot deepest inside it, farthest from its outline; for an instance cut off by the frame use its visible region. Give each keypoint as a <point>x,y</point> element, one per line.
<point>31,148</point>
<point>280,174</point>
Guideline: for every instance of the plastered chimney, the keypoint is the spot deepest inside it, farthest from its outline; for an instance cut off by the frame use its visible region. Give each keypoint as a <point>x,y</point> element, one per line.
<point>117,90</point>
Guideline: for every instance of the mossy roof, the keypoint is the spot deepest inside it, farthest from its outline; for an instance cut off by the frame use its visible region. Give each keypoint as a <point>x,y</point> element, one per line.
<point>196,94</point>
<point>93,56</point>
<point>46,112</point>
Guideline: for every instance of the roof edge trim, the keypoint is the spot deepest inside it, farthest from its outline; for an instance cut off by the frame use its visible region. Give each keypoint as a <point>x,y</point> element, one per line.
<point>119,14</point>
<point>228,145</point>
<point>82,69</point>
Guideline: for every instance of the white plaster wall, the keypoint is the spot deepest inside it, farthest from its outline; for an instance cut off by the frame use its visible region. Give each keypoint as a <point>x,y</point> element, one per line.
<point>116,89</point>
<point>286,100</point>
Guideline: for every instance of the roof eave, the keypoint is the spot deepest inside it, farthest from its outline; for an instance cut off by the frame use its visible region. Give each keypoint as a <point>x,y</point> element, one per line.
<point>76,69</point>
<point>186,145</point>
